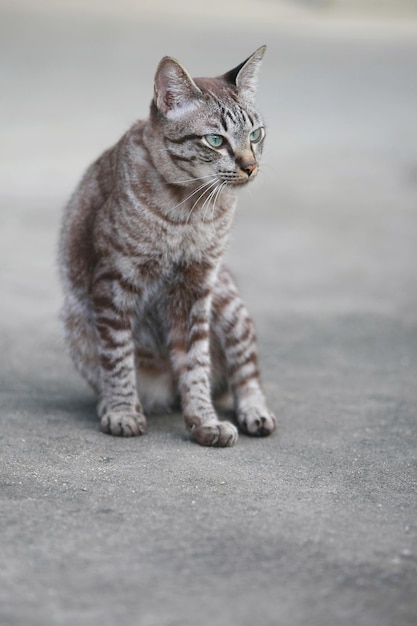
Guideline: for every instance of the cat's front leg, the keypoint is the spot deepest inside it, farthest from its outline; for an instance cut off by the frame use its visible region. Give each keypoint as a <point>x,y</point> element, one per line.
<point>236,331</point>
<point>119,408</point>
<point>190,353</point>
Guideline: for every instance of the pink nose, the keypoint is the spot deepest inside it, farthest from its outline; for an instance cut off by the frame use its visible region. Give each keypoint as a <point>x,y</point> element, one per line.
<point>248,168</point>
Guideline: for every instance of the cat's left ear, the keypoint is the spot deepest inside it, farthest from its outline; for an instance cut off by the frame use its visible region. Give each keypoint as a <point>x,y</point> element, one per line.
<point>245,75</point>
<point>175,91</point>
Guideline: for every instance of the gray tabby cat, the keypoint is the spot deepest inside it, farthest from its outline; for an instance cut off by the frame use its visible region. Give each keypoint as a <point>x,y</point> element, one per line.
<point>151,314</point>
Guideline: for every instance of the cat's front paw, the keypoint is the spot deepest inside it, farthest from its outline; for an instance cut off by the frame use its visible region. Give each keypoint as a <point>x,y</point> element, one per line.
<point>257,422</point>
<point>219,434</point>
<point>124,424</point>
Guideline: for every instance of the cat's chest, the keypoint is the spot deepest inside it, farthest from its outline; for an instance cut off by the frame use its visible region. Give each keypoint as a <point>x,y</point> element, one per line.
<point>197,239</point>
<point>185,243</point>
<point>175,251</point>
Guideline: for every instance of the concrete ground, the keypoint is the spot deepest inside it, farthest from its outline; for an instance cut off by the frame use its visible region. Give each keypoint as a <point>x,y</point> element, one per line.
<point>315,526</point>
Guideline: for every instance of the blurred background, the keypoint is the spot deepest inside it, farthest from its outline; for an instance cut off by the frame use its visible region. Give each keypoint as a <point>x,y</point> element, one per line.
<point>330,223</point>
<point>324,247</point>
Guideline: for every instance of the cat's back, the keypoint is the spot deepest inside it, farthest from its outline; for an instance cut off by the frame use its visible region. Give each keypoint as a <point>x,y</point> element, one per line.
<point>76,242</point>
<point>76,254</point>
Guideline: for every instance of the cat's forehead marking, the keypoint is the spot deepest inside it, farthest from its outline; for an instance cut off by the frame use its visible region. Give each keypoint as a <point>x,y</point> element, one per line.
<point>219,93</point>
<point>226,112</point>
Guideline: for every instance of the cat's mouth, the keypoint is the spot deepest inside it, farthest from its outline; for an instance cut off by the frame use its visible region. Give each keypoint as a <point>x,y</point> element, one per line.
<point>241,177</point>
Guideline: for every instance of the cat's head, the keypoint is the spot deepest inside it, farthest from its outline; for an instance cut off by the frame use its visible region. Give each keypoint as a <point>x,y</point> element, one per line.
<point>208,126</point>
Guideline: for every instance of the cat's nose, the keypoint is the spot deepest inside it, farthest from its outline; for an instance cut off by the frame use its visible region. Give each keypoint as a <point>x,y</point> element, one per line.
<point>249,168</point>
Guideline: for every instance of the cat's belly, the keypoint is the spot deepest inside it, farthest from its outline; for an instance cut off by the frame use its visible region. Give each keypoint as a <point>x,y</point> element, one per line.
<point>155,378</point>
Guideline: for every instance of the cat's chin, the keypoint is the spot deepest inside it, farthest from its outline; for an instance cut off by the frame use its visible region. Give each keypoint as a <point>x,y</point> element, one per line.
<point>241,182</point>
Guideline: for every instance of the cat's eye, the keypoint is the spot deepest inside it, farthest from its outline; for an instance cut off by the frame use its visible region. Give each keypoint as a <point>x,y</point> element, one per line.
<point>257,135</point>
<point>215,141</point>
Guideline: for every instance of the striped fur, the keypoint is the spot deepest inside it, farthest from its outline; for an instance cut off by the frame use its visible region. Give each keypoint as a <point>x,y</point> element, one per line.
<point>149,305</point>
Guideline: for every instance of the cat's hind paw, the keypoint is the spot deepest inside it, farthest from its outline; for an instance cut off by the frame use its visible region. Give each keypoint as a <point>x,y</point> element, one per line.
<point>124,424</point>
<point>256,422</point>
<point>218,434</point>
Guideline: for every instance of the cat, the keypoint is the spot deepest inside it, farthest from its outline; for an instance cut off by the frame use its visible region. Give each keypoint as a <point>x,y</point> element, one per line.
<point>151,315</point>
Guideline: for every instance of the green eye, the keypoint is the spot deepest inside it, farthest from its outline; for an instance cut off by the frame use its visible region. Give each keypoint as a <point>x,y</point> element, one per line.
<point>257,135</point>
<point>215,141</point>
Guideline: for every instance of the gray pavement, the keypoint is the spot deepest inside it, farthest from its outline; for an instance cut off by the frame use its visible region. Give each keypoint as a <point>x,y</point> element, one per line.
<point>316,525</point>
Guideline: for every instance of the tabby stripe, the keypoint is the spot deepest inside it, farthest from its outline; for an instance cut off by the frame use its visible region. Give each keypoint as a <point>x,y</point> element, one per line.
<point>222,303</point>
<point>249,360</point>
<point>196,381</point>
<point>230,321</point>
<point>110,339</point>
<point>123,394</point>
<point>233,341</point>
<point>194,366</point>
<point>178,157</point>
<point>112,363</point>
<point>163,216</point>
<point>116,353</point>
<point>243,115</point>
<point>196,318</point>
<point>183,139</point>
<point>223,119</point>
<point>243,382</point>
<point>105,275</point>
<point>250,118</point>
<point>126,249</point>
<point>199,353</point>
<point>129,287</point>
<point>198,334</point>
<point>115,406</point>
<point>237,351</point>
<point>102,303</point>
<point>112,323</point>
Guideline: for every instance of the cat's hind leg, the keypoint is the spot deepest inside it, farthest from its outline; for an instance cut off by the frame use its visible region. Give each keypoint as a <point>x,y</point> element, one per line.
<point>235,330</point>
<point>119,407</point>
<point>80,338</point>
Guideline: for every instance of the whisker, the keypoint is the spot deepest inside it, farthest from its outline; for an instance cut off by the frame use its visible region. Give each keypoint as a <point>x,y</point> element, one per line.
<point>207,201</point>
<point>209,188</point>
<point>219,192</point>
<point>206,184</point>
<point>190,180</point>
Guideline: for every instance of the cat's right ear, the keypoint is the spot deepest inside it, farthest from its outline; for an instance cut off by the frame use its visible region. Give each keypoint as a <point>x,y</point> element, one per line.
<point>175,92</point>
<point>244,76</point>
